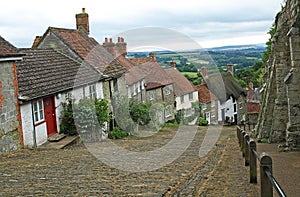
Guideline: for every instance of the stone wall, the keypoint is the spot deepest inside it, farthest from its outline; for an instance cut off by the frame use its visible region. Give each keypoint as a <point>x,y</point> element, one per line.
<point>279,118</point>
<point>9,116</point>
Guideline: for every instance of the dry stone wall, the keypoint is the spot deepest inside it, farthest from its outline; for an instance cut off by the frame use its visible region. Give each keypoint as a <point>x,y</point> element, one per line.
<point>279,118</point>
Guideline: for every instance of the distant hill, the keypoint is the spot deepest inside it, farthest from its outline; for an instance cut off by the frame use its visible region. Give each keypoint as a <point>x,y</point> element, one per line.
<point>243,56</point>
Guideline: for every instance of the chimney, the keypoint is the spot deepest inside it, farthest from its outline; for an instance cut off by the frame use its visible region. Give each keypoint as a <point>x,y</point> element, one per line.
<point>121,47</point>
<point>250,85</point>
<point>230,68</point>
<point>36,41</point>
<point>204,72</point>
<point>109,46</point>
<point>152,56</point>
<point>82,22</point>
<point>173,64</point>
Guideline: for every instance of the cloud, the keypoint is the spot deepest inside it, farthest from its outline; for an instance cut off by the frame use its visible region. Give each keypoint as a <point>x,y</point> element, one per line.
<point>21,21</point>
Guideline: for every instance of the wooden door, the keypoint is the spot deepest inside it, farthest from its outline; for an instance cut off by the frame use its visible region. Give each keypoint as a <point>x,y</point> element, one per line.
<point>50,117</point>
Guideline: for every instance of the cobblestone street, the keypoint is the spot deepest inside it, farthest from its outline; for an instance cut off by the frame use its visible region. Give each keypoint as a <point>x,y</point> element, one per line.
<point>76,172</point>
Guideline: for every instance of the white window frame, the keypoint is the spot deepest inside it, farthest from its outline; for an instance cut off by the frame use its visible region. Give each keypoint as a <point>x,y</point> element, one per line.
<point>92,91</point>
<point>204,107</point>
<point>182,98</point>
<point>167,91</point>
<point>191,96</point>
<point>168,111</point>
<point>134,89</point>
<point>38,110</point>
<point>151,95</point>
<point>213,103</point>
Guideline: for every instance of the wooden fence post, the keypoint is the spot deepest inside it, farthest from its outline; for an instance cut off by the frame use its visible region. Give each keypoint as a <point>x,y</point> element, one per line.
<point>243,143</point>
<point>252,158</point>
<point>246,148</point>
<point>266,185</point>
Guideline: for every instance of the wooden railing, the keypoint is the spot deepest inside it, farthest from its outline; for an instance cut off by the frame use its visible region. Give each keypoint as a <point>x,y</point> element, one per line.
<point>267,181</point>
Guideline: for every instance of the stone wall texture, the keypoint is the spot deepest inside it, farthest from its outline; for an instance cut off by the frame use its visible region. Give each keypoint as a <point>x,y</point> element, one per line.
<point>279,118</point>
<point>9,115</point>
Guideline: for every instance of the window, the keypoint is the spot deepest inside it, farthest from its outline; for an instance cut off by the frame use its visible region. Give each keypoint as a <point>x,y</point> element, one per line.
<point>168,111</point>
<point>234,107</point>
<point>204,106</point>
<point>92,92</point>
<point>151,95</point>
<point>128,92</point>
<point>167,91</point>
<point>191,96</point>
<point>115,83</point>
<point>38,110</point>
<point>213,103</point>
<point>182,99</point>
<point>213,114</point>
<point>134,89</point>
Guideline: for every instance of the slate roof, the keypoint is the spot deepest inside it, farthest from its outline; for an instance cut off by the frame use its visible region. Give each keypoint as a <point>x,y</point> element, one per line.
<point>7,49</point>
<point>182,85</point>
<point>223,86</point>
<point>89,50</point>
<point>44,72</point>
<point>204,95</point>
<point>156,76</point>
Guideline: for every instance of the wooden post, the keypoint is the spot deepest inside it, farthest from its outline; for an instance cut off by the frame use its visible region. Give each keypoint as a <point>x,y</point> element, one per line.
<point>266,185</point>
<point>246,149</point>
<point>243,143</point>
<point>252,158</point>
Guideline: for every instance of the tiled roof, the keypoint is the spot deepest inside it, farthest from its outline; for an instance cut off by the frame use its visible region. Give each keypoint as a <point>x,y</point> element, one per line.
<point>139,61</point>
<point>89,50</point>
<point>156,76</point>
<point>223,86</point>
<point>204,94</point>
<point>45,72</point>
<point>6,49</point>
<point>134,75</point>
<point>182,85</point>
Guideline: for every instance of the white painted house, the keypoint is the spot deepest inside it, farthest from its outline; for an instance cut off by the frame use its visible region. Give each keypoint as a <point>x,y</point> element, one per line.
<point>45,79</point>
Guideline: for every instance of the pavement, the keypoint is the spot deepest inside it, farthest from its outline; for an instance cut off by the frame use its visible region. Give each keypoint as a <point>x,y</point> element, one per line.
<point>74,171</point>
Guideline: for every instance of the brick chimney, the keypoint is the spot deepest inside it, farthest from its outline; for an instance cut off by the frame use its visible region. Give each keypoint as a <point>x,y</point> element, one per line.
<point>121,47</point>
<point>204,72</point>
<point>230,68</point>
<point>109,46</point>
<point>173,64</point>
<point>153,56</point>
<point>82,22</point>
<point>250,85</point>
<point>36,41</point>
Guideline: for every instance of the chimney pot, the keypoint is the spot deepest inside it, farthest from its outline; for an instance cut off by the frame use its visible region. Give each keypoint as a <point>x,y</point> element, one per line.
<point>105,40</point>
<point>83,10</point>
<point>110,40</point>
<point>204,71</point>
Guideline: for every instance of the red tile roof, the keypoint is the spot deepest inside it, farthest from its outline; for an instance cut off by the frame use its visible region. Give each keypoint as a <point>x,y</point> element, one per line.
<point>182,85</point>
<point>156,76</point>
<point>204,94</point>
<point>139,61</point>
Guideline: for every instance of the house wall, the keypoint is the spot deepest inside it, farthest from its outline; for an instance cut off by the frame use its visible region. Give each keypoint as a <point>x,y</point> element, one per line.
<point>138,94</point>
<point>9,123</point>
<point>187,102</point>
<point>41,129</point>
<point>29,128</point>
<point>228,106</point>
<point>212,110</point>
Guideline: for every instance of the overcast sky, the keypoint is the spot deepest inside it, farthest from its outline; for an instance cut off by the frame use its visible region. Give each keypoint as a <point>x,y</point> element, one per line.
<point>208,22</point>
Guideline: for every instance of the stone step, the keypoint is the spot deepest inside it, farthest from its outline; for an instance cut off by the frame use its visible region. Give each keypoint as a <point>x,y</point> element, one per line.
<point>57,137</point>
<point>63,143</point>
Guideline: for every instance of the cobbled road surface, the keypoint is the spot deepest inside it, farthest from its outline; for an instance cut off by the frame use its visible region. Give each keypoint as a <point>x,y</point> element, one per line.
<point>74,171</point>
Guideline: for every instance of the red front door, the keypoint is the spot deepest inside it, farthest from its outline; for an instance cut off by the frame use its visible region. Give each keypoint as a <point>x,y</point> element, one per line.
<point>49,109</point>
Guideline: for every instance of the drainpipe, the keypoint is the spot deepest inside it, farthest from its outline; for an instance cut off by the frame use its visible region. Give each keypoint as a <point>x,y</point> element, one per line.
<point>34,131</point>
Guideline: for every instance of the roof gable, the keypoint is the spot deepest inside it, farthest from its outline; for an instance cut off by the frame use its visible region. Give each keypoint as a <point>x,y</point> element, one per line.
<point>204,94</point>
<point>88,50</point>
<point>224,86</point>
<point>7,49</point>
<point>46,72</point>
<point>182,85</point>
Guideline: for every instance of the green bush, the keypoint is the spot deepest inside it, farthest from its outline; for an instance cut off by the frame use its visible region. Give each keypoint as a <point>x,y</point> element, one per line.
<point>67,125</point>
<point>203,122</point>
<point>117,133</point>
